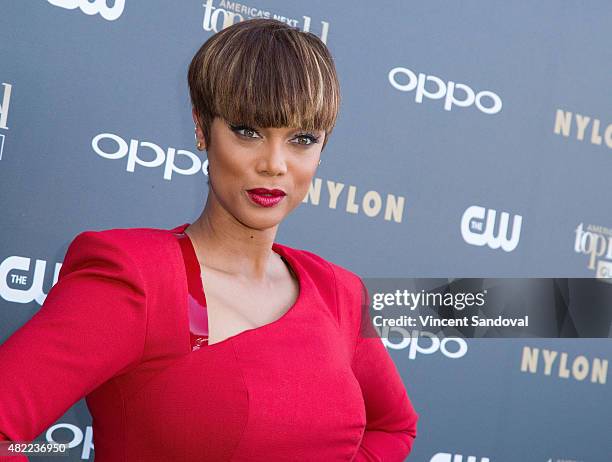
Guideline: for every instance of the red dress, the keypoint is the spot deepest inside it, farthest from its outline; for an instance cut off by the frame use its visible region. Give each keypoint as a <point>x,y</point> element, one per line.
<point>125,327</point>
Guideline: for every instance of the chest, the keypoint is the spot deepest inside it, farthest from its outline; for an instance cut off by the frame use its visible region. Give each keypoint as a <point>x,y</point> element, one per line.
<point>234,306</point>
<point>285,391</point>
<point>280,386</point>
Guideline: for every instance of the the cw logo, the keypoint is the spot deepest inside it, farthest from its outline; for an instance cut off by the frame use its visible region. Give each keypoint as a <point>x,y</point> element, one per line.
<point>476,231</point>
<point>32,288</point>
<point>110,13</point>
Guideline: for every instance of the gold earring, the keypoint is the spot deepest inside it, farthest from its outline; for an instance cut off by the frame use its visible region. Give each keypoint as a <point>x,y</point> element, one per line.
<point>199,144</point>
<point>319,161</point>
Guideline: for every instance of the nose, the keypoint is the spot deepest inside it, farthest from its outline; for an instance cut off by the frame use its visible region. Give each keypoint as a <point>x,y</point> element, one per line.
<point>272,161</point>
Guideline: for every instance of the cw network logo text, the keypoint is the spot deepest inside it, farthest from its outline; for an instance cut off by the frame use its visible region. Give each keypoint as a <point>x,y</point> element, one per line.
<point>89,7</point>
<point>478,227</point>
<point>22,279</point>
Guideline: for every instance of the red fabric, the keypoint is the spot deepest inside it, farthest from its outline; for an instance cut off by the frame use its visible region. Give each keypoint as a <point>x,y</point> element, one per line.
<point>115,330</point>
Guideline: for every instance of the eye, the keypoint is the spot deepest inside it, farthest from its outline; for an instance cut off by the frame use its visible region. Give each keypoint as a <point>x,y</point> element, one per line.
<point>245,131</point>
<point>306,139</point>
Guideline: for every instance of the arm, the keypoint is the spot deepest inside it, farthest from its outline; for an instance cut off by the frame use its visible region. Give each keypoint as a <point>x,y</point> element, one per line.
<point>391,419</point>
<point>91,327</point>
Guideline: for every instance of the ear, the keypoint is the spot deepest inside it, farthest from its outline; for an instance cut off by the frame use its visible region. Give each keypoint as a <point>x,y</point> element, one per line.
<point>199,134</point>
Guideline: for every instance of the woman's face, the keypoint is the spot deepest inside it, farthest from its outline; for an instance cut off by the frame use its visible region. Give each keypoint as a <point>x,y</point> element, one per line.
<point>242,159</point>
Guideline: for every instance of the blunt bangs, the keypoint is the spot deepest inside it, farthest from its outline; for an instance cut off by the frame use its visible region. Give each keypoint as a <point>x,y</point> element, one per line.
<point>263,73</point>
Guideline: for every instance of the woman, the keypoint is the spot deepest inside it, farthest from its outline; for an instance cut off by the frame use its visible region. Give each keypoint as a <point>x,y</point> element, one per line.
<point>209,341</point>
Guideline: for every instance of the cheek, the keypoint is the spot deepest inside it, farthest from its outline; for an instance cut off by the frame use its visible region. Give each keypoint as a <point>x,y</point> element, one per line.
<point>230,163</point>
<point>304,175</point>
<point>232,170</point>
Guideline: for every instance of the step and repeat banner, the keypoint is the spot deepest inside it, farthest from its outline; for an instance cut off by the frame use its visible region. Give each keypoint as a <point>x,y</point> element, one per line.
<point>474,141</point>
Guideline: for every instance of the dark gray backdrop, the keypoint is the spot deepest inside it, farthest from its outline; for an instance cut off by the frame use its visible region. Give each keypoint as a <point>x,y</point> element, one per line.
<point>545,155</point>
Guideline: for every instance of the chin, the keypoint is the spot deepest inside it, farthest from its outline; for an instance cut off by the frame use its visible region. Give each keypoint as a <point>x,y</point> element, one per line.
<point>261,224</point>
<point>261,219</point>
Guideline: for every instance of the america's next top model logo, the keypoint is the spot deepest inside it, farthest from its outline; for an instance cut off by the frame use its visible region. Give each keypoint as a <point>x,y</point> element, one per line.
<point>596,242</point>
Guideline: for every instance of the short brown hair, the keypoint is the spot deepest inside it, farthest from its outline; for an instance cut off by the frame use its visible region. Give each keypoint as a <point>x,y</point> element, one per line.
<point>262,72</point>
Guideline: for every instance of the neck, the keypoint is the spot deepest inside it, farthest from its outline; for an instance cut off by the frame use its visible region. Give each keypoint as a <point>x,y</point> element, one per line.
<point>225,244</point>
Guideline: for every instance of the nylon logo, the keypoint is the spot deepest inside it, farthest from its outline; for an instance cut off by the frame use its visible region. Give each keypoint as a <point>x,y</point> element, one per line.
<point>110,13</point>
<point>563,127</point>
<point>476,231</point>
<point>561,364</point>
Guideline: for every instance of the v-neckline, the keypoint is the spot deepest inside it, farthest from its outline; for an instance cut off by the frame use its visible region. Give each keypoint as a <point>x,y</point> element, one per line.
<point>196,285</point>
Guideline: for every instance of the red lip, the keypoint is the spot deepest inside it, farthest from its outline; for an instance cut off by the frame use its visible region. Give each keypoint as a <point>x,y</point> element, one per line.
<point>273,192</point>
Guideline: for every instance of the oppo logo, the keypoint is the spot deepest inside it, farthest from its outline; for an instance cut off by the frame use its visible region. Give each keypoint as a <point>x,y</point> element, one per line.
<point>110,13</point>
<point>77,437</point>
<point>451,347</point>
<point>111,146</point>
<point>404,79</point>
<point>446,457</point>
<point>478,228</point>
<point>17,271</point>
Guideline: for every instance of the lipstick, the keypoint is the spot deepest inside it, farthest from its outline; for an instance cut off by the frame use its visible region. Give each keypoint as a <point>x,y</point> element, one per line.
<point>266,197</point>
